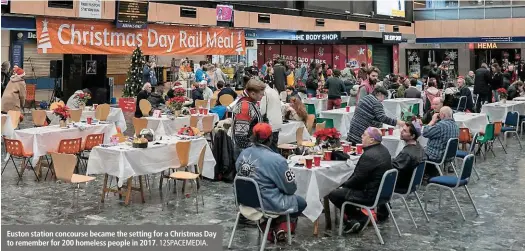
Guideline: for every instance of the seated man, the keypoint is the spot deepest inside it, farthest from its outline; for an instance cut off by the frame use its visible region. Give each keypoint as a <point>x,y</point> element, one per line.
<point>224,89</point>
<point>276,181</point>
<point>410,157</point>
<point>438,132</point>
<point>363,185</point>
<point>436,105</point>
<point>156,98</point>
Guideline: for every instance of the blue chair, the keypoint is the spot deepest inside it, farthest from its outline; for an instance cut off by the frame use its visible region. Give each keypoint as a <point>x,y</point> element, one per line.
<point>462,104</point>
<point>384,195</point>
<point>451,182</point>
<point>511,126</point>
<point>522,121</point>
<point>247,193</point>
<point>462,154</point>
<point>415,183</point>
<point>448,157</point>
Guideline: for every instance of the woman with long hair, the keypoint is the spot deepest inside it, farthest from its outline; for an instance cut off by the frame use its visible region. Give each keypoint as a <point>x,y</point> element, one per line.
<point>496,81</point>
<point>296,110</point>
<point>269,79</point>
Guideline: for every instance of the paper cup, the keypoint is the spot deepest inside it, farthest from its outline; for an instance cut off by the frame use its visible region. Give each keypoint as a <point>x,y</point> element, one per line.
<point>205,111</point>
<point>317,160</point>
<point>383,131</point>
<point>193,111</point>
<point>308,162</point>
<point>95,106</point>
<point>348,109</point>
<point>391,131</point>
<point>327,155</point>
<point>346,148</point>
<point>359,148</point>
<point>89,120</point>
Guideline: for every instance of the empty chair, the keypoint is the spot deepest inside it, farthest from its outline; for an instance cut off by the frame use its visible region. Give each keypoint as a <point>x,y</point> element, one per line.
<point>39,117</point>
<point>194,121</point>
<point>472,150</point>
<point>76,114</point>
<point>498,125</point>
<point>183,155</point>
<point>64,165</point>
<point>320,126</point>
<point>486,139</point>
<point>15,149</point>
<point>310,123</point>
<point>139,124</point>
<point>511,126</point>
<point>15,118</point>
<point>102,112</point>
<point>145,107</point>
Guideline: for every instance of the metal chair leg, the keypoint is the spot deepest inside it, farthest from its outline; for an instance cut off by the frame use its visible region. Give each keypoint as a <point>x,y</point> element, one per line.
<point>197,197</point>
<point>289,229</point>
<point>265,235</point>
<point>471,200</point>
<point>421,205</point>
<point>234,228</point>
<point>341,218</point>
<point>457,203</point>
<point>408,209</point>
<point>371,217</point>
<point>501,143</point>
<point>393,218</point>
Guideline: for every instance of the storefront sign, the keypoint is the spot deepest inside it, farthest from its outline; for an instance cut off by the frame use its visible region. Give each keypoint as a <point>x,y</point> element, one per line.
<point>132,14</point>
<point>318,36</point>
<point>486,46</point>
<point>392,38</point>
<point>90,9</point>
<point>26,36</point>
<point>87,37</point>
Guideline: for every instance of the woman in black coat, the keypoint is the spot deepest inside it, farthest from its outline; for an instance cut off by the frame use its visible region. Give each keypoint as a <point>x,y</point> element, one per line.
<point>144,94</point>
<point>497,80</point>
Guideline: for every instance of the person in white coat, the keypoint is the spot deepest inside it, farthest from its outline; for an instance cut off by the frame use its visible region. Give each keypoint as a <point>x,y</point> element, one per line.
<point>271,109</point>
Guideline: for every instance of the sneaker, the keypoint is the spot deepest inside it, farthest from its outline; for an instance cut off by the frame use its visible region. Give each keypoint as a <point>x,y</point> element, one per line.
<point>351,226</point>
<point>281,235</point>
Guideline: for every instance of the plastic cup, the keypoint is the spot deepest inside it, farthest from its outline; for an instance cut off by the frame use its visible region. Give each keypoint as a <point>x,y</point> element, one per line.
<point>193,111</point>
<point>359,148</point>
<point>317,160</point>
<point>308,162</point>
<point>95,106</point>
<point>327,155</point>
<point>348,109</point>
<point>205,111</point>
<point>346,148</point>
<point>391,131</point>
<point>201,111</point>
<point>89,120</point>
<point>383,131</point>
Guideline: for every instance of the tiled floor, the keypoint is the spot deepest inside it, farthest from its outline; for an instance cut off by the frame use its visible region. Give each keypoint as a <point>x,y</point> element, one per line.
<point>499,196</point>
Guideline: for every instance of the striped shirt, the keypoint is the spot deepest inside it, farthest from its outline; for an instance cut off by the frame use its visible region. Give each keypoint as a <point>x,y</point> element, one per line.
<point>438,136</point>
<point>369,112</point>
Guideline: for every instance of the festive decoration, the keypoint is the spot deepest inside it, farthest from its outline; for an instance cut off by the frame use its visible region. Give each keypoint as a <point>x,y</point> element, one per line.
<point>62,112</point>
<point>83,98</point>
<point>502,93</point>
<point>328,137</point>
<point>176,103</point>
<point>44,43</point>
<point>134,78</point>
<point>189,131</point>
<point>179,92</point>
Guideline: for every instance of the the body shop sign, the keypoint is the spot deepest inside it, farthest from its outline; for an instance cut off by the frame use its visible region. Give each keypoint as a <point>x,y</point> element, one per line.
<point>87,37</point>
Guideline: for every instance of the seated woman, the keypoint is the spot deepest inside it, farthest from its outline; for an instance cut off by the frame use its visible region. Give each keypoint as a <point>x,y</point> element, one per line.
<point>276,181</point>
<point>295,110</point>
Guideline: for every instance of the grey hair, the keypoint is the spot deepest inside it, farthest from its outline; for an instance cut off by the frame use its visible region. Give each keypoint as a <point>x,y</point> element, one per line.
<point>446,111</point>
<point>5,66</point>
<point>146,85</point>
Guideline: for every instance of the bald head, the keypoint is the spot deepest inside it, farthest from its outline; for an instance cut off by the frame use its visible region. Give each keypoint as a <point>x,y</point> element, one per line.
<point>437,103</point>
<point>445,112</point>
<point>371,136</point>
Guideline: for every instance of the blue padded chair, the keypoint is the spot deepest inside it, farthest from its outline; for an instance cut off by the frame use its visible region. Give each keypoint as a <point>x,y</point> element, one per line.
<point>522,124</point>
<point>448,157</point>
<point>451,182</point>
<point>247,193</point>
<point>384,195</point>
<point>415,183</point>
<point>512,123</point>
<point>462,154</point>
<point>462,104</point>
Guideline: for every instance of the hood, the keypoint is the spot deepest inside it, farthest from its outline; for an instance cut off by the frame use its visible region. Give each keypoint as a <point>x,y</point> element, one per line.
<point>433,90</point>
<point>17,78</point>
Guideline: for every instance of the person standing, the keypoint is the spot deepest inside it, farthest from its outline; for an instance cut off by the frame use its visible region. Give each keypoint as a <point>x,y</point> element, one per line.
<point>335,87</point>
<point>347,75</point>
<point>497,80</point>
<point>369,84</point>
<point>412,91</point>
<point>269,79</point>
<point>521,70</point>
<point>314,77</point>
<point>469,79</point>
<point>6,66</point>
<point>15,92</point>
<point>482,86</point>
<point>270,107</point>
<point>280,73</point>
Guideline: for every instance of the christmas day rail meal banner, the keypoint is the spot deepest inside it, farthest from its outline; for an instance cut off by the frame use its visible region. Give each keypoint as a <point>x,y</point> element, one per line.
<point>65,36</point>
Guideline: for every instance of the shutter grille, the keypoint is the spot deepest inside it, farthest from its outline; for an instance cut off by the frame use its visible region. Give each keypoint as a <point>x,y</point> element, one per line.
<point>382,59</point>
<point>118,64</point>
<point>40,61</point>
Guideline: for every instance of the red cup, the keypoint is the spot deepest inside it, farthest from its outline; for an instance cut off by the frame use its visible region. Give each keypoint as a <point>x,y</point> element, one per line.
<point>383,131</point>
<point>317,160</point>
<point>95,106</point>
<point>359,148</point>
<point>348,109</point>
<point>328,155</point>
<point>89,119</point>
<point>201,111</point>
<point>193,111</point>
<point>308,162</point>
<point>205,111</point>
<point>391,131</point>
<point>346,148</point>
<point>310,95</point>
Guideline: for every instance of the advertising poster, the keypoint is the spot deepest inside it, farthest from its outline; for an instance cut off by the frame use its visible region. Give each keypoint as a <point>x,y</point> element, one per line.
<point>289,53</point>
<point>272,51</point>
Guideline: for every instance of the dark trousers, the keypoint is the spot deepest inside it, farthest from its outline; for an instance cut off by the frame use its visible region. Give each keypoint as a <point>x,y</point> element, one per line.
<point>338,197</point>
<point>275,140</point>
<point>483,98</point>
<point>333,104</point>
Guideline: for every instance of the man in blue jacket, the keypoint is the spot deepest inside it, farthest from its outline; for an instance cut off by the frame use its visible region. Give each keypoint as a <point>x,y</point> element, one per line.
<point>276,181</point>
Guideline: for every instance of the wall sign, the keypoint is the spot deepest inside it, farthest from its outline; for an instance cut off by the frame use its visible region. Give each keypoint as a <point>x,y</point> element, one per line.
<point>68,36</point>
<point>486,46</point>
<point>90,9</point>
<point>392,38</point>
<point>318,36</point>
<point>25,36</point>
<point>224,13</point>
<point>132,14</point>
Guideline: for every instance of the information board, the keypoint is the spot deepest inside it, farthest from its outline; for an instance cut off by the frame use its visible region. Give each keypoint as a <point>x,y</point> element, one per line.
<point>132,14</point>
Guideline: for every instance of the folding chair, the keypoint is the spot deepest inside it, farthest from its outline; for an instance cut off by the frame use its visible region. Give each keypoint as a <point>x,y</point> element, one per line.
<point>472,150</point>
<point>511,126</point>
<point>68,146</point>
<point>384,196</point>
<point>415,183</point>
<point>448,157</point>
<point>39,117</point>
<point>102,111</point>
<point>451,182</point>
<point>145,107</point>
<point>248,194</point>
<point>15,149</point>
<point>30,96</point>
<point>310,109</point>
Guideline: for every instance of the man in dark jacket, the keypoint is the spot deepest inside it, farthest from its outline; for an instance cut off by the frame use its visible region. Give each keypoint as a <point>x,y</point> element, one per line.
<point>196,93</point>
<point>521,70</point>
<point>156,98</point>
<point>280,73</point>
<point>412,91</point>
<point>410,157</point>
<point>434,72</point>
<point>224,90</point>
<point>143,94</point>
<point>335,87</point>
<point>464,91</point>
<point>515,90</point>
<point>482,80</point>
<point>363,185</point>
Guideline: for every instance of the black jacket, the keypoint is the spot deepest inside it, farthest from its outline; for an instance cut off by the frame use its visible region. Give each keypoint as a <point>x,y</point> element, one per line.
<point>335,87</point>
<point>364,182</point>
<point>156,99</point>
<point>223,153</point>
<point>521,72</point>
<point>196,94</point>
<point>497,81</point>
<point>513,92</point>
<point>412,92</point>
<point>279,73</point>
<point>465,91</point>
<point>140,96</point>
<point>435,73</point>
<point>482,81</point>
<point>312,83</point>
<point>405,162</point>
<point>226,90</point>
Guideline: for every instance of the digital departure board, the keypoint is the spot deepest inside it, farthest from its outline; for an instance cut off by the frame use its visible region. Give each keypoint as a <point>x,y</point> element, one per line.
<point>132,14</point>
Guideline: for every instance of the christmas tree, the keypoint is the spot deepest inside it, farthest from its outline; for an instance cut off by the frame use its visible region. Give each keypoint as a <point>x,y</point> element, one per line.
<point>134,79</point>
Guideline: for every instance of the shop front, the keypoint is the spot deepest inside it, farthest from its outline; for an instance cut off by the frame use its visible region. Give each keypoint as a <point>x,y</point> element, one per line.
<point>501,53</point>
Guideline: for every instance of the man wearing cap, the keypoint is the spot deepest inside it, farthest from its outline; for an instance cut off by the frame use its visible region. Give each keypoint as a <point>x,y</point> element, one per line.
<point>410,157</point>
<point>275,180</point>
<point>364,183</point>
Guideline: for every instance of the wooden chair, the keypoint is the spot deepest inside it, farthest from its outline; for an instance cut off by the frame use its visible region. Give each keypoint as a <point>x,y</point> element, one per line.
<point>53,106</point>
<point>145,107</point>
<point>67,146</point>
<point>320,126</point>
<point>64,165</point>
<point>102,112</point>
<point>15,149</point>
<point>15,118</point>
<point>201,103</point>
<point>213,102</point>
<point>310,123</point>
<point>193,177</point>
<point>183,153</point>
<point>139,124</point>
<point>299,138</point>
<point>4,119</point>
<point>464,138</point>
<point>76,114</point>
<point>39,117</point>
<point>226,99</point>
<point>194,120</point>
<point>207,126</point>
<point>30,96</point>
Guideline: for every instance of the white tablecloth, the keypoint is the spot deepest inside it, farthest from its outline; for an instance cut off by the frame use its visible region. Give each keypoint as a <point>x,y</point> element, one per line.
<point>40,140</point>
<point>341,118</point>
<point>519,99</point>
<point>476,122</point>
<point>165,126</point>
<point>393,107</point>
<point>321,104</point>
<point>394,144</point>
<point>115,116</point>
<point>498,111</point>
<point>287,134</point>
<point>7,129</point>
<point>124,161</point>
<point>316,183</point>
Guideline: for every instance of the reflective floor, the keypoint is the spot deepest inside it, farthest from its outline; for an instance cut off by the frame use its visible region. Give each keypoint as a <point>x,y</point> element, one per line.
<point>499,196</point>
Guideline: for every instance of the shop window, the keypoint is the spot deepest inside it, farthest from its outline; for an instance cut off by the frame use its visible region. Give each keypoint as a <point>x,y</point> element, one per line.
<point>437,4</point>
<point>497,2</point>
<point>264,18</point>
<point>188,12</point>
<point>319,22</point>
<point>518,3</point>
<point>471,3</point>
<point>362,26</point>
<point>60,4</point>
<point>421,5</point>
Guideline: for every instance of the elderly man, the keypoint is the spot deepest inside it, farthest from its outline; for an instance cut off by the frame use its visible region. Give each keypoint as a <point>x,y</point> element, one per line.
<point>436,105</point>
<point>441,128</point>
<point>370,112</point>
<point>410,157</point>
<point>364,183</point>
<point>464,91</point>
